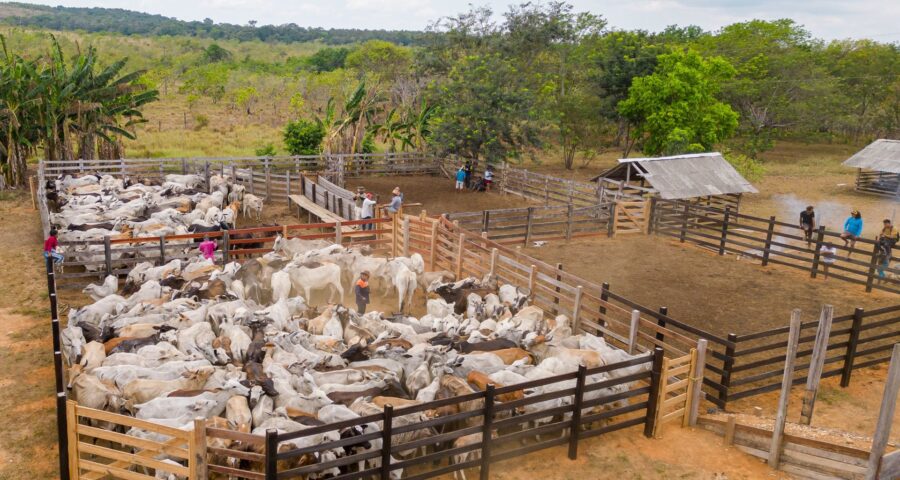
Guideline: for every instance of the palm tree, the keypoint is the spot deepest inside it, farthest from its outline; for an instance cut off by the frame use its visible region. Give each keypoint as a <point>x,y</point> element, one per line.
<point>418,128</point>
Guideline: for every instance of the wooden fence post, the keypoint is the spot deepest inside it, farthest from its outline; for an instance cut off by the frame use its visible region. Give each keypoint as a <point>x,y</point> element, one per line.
<point>197,446</point>
<point>162,249</point>
<point>852,343</point>
<point>494,254</point>
<point>107,254</point>
<point>485,220</point>
<point>575,427</point>
<point>528,221</point>
<point>488,421</point>
<point>817,253</point>
<point>268,179</point>
<point>226,247</point>
<point>727,366</point>
<point>432,254</point>
<point>604,297</point>
<point>576,311</point>
<point>532,281</point>
<point>393,231</point>
<point>696,384</point>
<point>653,397</point>
<point>684,221</point>
<point>729,430</point>
<point>885,418</point>
<point>661,395</point>
<point>271,454</point>
<point>206,175</point>
<point>768,245</point>
<point>287,195</point>
<point>252,181</point>
<point>406,236</point>
<point>786,382</point>
<point>661,323</point>
<point>817,362</point>
<point>72,437</point>
<point>870,277</point>
<point>724,231</point>
<point>386,434</point>
<point>569,218</point>
<point>338,233</point>
<point>633,331</point>
<point>460,252</point>
<point>556,289</point>
<point>613,217</point>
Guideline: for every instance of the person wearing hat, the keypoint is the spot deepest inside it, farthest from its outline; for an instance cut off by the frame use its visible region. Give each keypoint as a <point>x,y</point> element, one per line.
<point>361,291</point>
<point>396,201</point>
<point>853,228</point>
<point>367,210</point>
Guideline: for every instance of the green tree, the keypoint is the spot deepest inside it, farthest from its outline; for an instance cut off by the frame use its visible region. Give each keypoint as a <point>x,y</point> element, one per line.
<point>303,137</point>
<point>328,59</point>
<point>215,53</point>
<point>380,60</point>
<point>675,109</point>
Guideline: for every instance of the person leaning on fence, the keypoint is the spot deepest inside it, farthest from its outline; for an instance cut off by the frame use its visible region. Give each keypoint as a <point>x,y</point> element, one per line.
<point>488,178</point>
<point>808,224</point>
<point>460,179</point>
<point>361,290</point>
<point>368,210</point>
<point>853,228</point>
<point>396,201</point>
<point>828,252</point>
<point>468,170</point>
<point>208,248</point>
<point>885,241</point>
<point>50,246</point>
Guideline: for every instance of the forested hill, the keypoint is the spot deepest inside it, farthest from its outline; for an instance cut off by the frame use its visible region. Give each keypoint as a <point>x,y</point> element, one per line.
<point>127,22</point>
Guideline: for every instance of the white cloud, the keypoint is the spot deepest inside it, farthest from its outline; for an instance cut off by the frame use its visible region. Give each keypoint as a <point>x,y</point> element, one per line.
<point>829,19</point>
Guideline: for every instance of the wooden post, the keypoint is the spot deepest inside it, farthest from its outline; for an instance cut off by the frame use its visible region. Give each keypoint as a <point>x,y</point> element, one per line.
<point>107,254</point>
<point>661,396</point>
<point>648,216</point>
<point>613,218</point>
<point>386,434</point>
<point>162,249</point>
<point>633,331</point>
<point>576,311</point>
<point>528,221</point>
<point>557,290</point>
<point>393,232</point>
<point>729,430</point>
<point>432,254</point>
<point>696,384</point>
<point>653,396</point>
<point>569,218</point>
<point>485,220</point>
<point>406,236</point>
<point>487,426</point>
<point>72,437</point>
<point>206,174</point>
<point>197,446</point>
<point>338,233</point>
<point>724,231</point>
<point>684,221</point>
<point>816,254</point>
<point>532,281</point>
<point>870,277</point>
<point>459,255</point>
<point>885,418</point>
<point>252,181</point>
<point>852,343</point>
<point>184,169</point>
<point>604,297</point>
<point>287,195</point>
<point>226,247</point>
<point>786,382</point>
<point>727,366</point>
<point>33,195</point>
<point>814,375</point>
<point>494,254</point>
<point>768,245</point>
<point>268,179</point>
<point>661,323</point>
<point>575,427</point>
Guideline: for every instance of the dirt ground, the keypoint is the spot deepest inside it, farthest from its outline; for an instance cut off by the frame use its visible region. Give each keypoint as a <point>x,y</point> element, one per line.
<point>718,294</point>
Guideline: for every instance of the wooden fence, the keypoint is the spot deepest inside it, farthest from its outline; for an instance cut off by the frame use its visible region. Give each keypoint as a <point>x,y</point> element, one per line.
<point>524,225</point>
<point>676,398</point>
<point>772,241</point>
<point>881,183</point>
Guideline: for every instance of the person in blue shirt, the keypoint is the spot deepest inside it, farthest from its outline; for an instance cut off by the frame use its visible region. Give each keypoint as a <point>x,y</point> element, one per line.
<point>853,228</point>
<point>396,201</point>
<point>460,179</point>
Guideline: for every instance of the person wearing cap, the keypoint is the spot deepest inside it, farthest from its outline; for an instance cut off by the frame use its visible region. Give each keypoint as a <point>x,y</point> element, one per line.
<point>361,291</point>
<point>368,210</point>
<point>853,228</point>
<point>396,201</point>
<point>808,223</point>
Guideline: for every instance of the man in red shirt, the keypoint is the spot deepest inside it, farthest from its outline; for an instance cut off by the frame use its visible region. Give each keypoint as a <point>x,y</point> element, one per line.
<point>50,245</point>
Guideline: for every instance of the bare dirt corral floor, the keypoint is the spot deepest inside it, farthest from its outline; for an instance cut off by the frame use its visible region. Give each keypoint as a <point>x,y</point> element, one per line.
<point>718,294</point>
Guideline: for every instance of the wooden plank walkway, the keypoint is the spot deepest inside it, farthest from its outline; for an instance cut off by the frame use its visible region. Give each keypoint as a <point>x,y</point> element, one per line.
<point>317,211</point>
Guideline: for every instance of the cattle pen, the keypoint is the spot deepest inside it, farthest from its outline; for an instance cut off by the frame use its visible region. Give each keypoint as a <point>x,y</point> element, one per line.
<point>732,367</point>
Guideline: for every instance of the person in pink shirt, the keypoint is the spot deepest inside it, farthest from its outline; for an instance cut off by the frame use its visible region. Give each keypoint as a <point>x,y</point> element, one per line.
<point>208,248</point>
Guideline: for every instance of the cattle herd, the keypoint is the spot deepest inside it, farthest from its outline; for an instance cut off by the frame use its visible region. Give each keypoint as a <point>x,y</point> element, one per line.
<point>246,346</point>
<point>93,207</point>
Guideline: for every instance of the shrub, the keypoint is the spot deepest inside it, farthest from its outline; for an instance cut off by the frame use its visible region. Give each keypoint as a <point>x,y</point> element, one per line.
<point>303,137</point>
<point>200,121</point>
<point>267,150</point>
<point>751,169</point>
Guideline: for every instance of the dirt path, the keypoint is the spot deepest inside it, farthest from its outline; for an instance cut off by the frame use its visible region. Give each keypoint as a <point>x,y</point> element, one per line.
<point>28,437</point>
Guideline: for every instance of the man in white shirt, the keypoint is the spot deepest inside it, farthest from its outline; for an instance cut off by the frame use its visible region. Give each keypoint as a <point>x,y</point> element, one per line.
<point>828,252</point>
<point>368,210</point>
<point>488,178</point>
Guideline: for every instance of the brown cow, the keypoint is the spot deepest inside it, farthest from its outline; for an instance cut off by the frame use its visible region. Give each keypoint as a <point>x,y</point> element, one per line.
<point>510,355</point>
<point>481,381</point>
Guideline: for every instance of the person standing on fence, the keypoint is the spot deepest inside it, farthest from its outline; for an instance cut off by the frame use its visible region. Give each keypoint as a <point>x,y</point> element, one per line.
<point>488,178</point>
<point>853,227</point>
<point>208,248</point>
<point>460,179</point>
<point>50,246</point>
<point>468,170</point>
<point>885,242</point>
<point>361,290</point>
<point>396,201</point>
<point>829,256</point>
<point>808,224</point>
<point>368,210</point>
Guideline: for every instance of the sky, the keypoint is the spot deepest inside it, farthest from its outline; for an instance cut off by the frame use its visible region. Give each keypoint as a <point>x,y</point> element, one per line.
<point>828,19</point>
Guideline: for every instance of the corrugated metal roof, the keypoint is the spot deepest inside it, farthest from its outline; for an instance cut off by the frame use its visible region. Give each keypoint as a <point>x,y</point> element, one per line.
<point>882,155</point>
